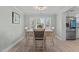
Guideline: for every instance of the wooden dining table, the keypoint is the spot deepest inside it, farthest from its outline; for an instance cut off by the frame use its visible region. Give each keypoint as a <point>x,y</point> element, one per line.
<point>47,33</point>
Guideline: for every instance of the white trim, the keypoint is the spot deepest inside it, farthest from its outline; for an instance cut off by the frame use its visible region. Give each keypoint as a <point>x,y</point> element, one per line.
<point>18,10</point>
<point>60,38</point>
<point>12,45</point>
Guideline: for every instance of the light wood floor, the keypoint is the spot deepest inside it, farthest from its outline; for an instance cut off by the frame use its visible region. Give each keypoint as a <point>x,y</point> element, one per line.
<point>28,45</point>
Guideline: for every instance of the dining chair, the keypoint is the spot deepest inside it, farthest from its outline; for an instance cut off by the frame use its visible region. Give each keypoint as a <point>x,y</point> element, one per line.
<point>53,34</point>
<point>25,29</point>
<point>39,35</point>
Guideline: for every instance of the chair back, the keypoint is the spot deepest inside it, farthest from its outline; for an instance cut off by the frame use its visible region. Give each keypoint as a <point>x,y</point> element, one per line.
<point>39,34</point>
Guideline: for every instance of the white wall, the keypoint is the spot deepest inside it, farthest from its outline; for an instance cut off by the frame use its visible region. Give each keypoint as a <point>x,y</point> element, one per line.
<point>61,26</point>
<point>53,21</point>
<point>9,33</point>
<point>61,23</point>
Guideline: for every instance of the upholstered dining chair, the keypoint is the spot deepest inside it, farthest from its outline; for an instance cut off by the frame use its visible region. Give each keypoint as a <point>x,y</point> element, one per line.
<point>39,35</point>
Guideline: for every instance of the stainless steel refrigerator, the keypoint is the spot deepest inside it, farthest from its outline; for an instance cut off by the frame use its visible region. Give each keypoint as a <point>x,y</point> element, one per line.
<point>77,26</point>
<point>71,28</point>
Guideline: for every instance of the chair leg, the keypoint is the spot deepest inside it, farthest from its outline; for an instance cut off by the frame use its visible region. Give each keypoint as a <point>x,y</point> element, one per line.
<point>44,41</point>
<point>53,42</point>
<point>43,45</point>
<point>35,45</point>
<point>53,38</point>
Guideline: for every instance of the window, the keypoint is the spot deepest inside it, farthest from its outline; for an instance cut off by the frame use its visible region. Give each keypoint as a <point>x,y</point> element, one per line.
<point>40,22</point>
<point>48,22</point>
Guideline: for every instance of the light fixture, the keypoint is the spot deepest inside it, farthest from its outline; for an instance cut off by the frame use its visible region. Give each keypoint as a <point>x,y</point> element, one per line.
<point>40,7</point>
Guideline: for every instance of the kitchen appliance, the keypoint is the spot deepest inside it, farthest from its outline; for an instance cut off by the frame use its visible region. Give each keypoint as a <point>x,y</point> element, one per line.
<point>70,28</point>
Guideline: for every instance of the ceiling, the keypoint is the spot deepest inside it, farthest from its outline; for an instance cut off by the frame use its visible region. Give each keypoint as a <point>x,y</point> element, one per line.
<point>29,10</point>
<point>74,10</point>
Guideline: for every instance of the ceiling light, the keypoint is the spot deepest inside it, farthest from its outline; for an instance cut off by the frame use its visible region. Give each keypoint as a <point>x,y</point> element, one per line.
<point>40,7</point>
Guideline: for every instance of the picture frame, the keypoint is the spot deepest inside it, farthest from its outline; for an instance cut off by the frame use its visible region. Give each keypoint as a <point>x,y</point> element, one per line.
<point>15,18</point>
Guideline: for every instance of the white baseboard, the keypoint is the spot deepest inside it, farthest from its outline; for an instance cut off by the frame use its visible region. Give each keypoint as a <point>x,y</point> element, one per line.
<point>60,38</point>
<point>11,46</point>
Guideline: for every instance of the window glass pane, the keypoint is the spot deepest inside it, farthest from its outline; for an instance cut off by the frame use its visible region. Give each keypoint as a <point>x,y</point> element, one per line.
<point>48,22</point>
<point>41,23</point>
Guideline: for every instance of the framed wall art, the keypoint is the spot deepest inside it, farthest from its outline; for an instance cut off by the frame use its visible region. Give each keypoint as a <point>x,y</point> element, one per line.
<point>15,18</point>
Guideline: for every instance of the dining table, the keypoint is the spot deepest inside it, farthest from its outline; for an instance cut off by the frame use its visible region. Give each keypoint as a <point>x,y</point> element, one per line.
<point>47,33</point>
